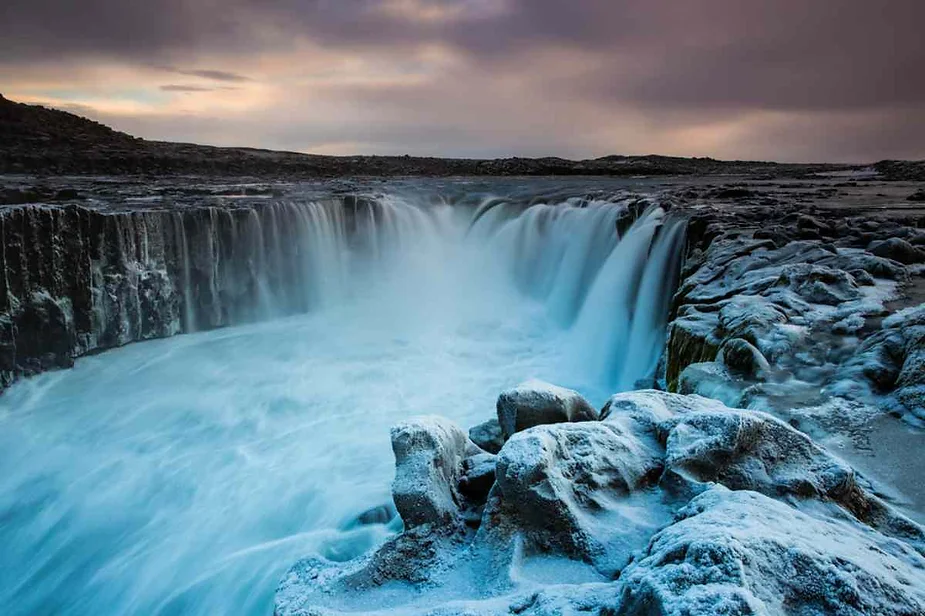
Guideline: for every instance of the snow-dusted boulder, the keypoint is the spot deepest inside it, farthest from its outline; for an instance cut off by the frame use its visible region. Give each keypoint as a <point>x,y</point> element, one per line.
<point>429,452</point>
<point>535,403</point>
<point>561,487</point>
<point>749,450</point>
<point>745,553</point>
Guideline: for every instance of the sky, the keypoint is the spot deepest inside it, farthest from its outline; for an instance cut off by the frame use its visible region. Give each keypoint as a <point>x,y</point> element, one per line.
<point>788,80</point>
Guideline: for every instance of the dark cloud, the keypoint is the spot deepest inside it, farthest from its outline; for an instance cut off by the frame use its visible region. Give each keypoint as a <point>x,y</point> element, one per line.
<point>701,59</point>
<point>181,88</point>
<point>214,75</point>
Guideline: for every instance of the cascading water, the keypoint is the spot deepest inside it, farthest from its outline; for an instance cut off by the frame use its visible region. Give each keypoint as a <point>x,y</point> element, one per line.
<point>184,475</point>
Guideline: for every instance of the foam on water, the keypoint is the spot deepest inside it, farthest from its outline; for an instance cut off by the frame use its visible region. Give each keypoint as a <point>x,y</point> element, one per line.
<point>183,476</point>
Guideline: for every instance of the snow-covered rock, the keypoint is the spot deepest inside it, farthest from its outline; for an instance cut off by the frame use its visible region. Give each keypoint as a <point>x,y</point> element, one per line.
<point>429,452</point>
<point>535,403</point>
<point>563,488</point>
<point>740,552</point>
<point>669,504</point>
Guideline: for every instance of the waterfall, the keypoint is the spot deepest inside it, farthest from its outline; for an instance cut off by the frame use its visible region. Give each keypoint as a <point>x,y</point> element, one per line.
<point>185,475</point>
<point>153,273</point>
<point>610,294</point>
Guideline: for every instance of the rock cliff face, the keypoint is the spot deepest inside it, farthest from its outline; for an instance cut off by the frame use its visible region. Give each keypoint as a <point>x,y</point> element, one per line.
<point>78,280</point>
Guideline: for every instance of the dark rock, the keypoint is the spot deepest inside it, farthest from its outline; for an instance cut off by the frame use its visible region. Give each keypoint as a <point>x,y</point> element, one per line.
<point>742,357</point>
<point>487,435</point>
<point>478,475</point>
<point>380,514</point>
<point>898,250</point>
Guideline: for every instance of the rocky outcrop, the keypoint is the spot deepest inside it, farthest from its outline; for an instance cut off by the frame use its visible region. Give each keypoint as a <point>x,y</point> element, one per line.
<point>769,311</point>
<point>675,504</point>
<point>78,280</point>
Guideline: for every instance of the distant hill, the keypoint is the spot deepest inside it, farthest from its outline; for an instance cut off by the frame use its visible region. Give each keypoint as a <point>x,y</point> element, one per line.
<point>39,140</point>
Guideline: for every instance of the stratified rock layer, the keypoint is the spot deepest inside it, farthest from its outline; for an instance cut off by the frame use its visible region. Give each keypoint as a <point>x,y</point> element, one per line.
<point>77,280</point>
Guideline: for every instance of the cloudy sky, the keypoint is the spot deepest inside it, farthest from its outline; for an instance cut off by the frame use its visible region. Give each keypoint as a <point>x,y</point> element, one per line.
<point>794,80</point>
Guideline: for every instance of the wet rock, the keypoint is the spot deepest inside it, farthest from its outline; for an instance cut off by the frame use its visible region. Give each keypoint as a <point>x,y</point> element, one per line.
<point>380,514</point>
<point>691,339</point>
<point>429,452</point>
<point>487,435</point>
<point>898,250</point>
<point>711,380</point>
<point>535,403</point>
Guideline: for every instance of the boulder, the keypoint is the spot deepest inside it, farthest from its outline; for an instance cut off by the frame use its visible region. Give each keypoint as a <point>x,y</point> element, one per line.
<point>487,435</point>
<point>745,553</point>
<point>429,452</point>
<point>898,250</point>
<point>819,284</point>
<point>742,357</point>
<point>535,403</point>
<point>478,475</point>
<point>712,380</point>
<point>750,450</point>
<point>560,487</point>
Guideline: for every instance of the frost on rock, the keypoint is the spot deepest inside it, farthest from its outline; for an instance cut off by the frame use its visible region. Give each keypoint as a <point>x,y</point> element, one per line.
<point>776,317</point>
<point>429,452</point>
<point>744,553</point>
<point>568,489</point>
<point>667,504</point>
<point>892,361</point>
<point>534,403</point>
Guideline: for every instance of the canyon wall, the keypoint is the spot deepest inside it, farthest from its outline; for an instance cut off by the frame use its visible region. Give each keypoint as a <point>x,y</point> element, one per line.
<point>76,280</point>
